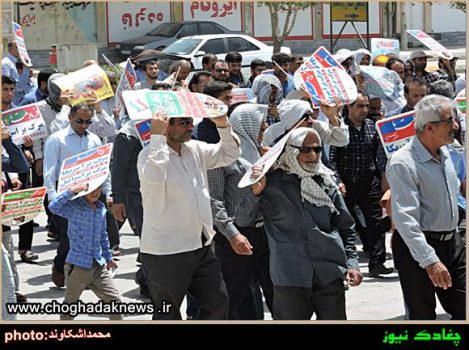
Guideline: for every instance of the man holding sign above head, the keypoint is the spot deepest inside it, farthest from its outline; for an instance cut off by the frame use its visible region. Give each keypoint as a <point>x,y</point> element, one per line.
<point>9,69</point>
<point>70,141</point>
<point>177,223</point>
<point>310,232</point>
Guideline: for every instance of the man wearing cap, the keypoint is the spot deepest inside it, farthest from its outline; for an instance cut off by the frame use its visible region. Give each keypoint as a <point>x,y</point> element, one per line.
<point>419,61</point>
<point>428,251</point>
<point>445,71</point>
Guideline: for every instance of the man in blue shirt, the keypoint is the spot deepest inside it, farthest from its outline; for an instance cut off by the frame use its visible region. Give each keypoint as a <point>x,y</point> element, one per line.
<point>9,69</point>
<point>41,92</point>
<point>72,140</point>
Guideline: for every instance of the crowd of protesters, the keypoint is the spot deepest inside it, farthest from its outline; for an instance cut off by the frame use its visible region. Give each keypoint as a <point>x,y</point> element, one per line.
<point>290,238</point>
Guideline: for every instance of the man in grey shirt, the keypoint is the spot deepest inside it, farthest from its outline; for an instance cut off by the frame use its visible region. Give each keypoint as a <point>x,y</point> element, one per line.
<point>428,253</point>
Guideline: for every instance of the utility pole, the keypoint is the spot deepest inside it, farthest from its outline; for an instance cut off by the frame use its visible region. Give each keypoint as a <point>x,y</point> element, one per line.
<point>403,25</point>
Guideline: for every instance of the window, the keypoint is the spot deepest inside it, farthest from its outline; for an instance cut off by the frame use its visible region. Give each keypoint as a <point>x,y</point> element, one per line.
<point>182,46</point>
<point>240,45</point>
<point>209,28</point>
<point>188,30</point>
<point>215,46</point>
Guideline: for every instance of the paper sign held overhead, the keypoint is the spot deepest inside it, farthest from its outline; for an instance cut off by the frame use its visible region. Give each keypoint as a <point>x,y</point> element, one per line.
<point>91,167</point>
<point>89,83</point>
<point>19,39</point>
<point>142,104</point>
<point>383,46</point>
<point>431,43</point>
<point>329,85</point>
<point>143,128</point>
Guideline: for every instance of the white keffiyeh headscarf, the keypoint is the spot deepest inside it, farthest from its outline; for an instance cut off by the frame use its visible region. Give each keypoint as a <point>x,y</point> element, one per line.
<point>262,88</point>
<point>246,121</point>
<point>310,190</point>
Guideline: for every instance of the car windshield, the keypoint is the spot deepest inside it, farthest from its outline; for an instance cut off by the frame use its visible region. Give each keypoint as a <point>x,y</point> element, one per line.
<point>165,29</point>
<point>183,46</point>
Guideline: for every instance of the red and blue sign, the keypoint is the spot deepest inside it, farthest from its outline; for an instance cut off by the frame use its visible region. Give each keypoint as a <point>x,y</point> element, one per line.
<point>396,131</point>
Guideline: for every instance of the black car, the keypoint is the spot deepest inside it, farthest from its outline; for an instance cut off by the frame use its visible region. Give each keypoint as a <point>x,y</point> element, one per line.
<point>167,33</point>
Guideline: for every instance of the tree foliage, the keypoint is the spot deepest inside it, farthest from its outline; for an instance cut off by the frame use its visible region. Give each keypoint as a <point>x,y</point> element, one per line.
<point>460,5</point>
<point>290,9</point>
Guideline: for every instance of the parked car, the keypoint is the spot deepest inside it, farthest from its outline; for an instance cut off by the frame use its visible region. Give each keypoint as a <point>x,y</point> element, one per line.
<point>167,33</point>
<point>195,47</point>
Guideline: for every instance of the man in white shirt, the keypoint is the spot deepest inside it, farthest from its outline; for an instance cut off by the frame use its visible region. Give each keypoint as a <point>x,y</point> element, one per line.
<point>177,218</point>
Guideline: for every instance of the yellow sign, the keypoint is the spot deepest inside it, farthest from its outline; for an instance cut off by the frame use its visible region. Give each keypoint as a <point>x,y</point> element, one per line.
<point>349,11</point>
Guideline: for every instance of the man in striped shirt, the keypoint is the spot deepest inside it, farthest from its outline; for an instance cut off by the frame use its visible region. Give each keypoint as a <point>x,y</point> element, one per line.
<point>428,252</point>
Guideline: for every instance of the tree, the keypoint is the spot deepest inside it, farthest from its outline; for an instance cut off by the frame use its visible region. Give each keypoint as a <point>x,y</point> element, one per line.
<point>460,5</point>
<point>291,10</point>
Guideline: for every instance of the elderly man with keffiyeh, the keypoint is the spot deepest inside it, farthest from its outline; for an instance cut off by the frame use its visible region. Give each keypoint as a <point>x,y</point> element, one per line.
<point>310,232</point>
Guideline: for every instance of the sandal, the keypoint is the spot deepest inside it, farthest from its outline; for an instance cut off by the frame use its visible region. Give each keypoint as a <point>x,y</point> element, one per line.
<point>28,256</point>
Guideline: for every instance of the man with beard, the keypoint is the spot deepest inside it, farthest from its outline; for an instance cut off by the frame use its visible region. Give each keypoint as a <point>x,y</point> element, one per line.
<point>309,229</point>
<point>234,60</point>
<point>428,251</point>
<point>177,219</point>
<point>151,75</point>
<point>355,165</point>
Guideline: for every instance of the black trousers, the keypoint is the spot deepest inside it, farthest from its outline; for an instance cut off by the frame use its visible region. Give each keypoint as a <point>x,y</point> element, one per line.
<point>198,272</point>
<point>418,290</point>
<point>366,194</point>
<point>239,270</point>
<point>25,231</point>
<point>296,303</point>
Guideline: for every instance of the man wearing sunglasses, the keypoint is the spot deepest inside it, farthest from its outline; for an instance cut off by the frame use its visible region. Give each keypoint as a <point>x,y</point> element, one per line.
<point>428,251</point>
<point>73,139</point>
<point>177,218</point>
<point>310,232</point>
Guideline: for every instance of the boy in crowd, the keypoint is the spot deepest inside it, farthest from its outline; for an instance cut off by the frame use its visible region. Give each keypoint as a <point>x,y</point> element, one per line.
<point>89,257</point>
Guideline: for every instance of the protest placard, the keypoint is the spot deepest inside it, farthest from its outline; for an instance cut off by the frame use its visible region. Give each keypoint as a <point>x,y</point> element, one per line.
<point>91,167</point>
<point>396,131</point>
<point>143,128</point>
<point>141,104</point>
<point>385,84</point>
<point>329,85</point>
<point>20,207</point>
<point>382,46</point>
<point>431,43</point>
<point>127,82</point>
<point>241,95</point>
<point>266,161</point>
<point>89,83</point>
<point>321,58</point>
<point>19,39</point>
<point>25,121</point>
<point>461,104</point>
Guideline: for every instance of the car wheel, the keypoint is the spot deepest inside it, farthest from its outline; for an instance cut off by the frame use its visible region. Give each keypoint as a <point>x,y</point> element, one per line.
<point>160,48</point>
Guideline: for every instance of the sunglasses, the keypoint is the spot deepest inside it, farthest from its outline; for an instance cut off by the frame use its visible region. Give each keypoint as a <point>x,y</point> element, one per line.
<point>182,121</point>
<point>219,70</point>
<point>81,121</point>
<point>448,121</point>
<point>307,149</point>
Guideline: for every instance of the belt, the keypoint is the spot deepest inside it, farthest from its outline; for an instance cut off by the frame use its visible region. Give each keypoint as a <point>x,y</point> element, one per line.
<point>361,178</point>
<point>439,236</point>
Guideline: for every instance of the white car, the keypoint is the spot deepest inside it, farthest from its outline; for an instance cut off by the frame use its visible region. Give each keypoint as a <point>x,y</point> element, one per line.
<point>195,47</point>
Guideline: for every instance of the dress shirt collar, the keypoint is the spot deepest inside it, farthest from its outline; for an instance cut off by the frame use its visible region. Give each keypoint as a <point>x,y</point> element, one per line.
<point>12,58</point>
<point>423,155</point>
<point>70,131</point>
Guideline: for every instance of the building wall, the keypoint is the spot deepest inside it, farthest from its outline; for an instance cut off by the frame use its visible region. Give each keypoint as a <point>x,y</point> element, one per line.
<point>48,23</point>
<point>446,19</point>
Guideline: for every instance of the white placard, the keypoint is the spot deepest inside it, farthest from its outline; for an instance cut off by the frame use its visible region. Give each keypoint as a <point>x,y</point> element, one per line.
<point>91,167</point>
<point>429,42</point>
<point>19,38</point>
